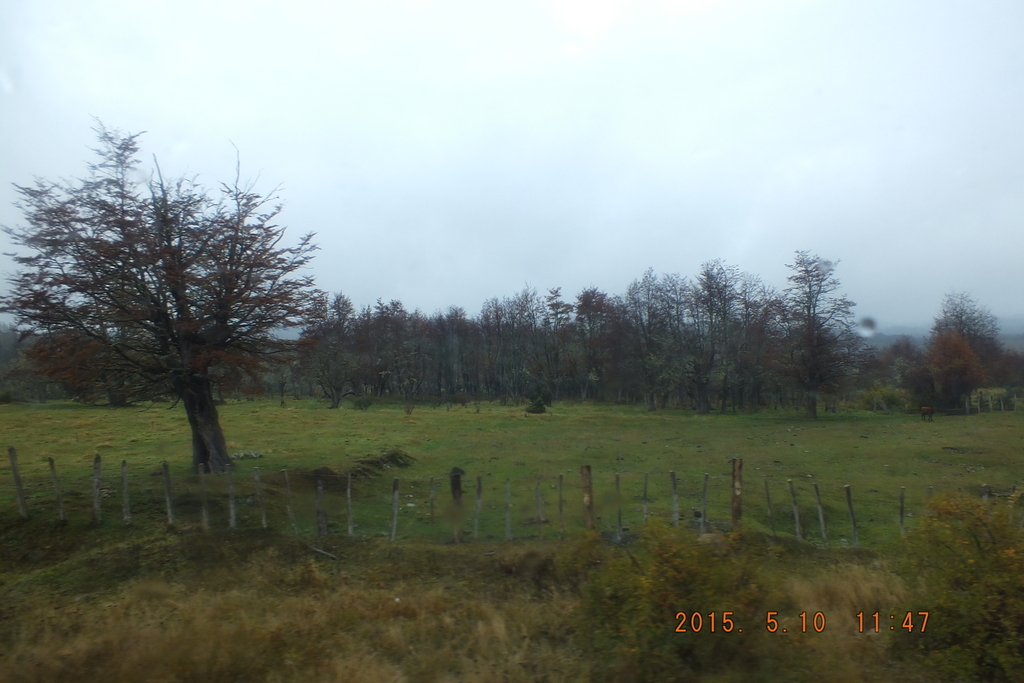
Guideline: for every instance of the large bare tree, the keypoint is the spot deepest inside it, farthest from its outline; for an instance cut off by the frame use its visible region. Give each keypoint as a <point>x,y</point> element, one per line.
<point>327,346</point>
<point>975,323</point>
<point>822,346</point>
<point>165,281</point>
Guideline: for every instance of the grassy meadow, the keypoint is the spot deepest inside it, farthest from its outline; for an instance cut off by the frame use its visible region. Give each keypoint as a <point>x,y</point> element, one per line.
<point>153,602</point>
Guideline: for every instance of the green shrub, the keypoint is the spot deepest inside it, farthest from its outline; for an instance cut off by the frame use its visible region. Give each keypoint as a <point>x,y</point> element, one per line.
<point>968,560</point>
<point>536,406</point>
<point>630,605</point>
<point>362,402</point>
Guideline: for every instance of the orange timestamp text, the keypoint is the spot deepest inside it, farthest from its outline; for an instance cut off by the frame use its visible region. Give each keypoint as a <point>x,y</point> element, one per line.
<point>724,622</point>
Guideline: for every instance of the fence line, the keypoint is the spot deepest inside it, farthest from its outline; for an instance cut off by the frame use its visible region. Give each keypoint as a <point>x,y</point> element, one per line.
<point>647,495</point>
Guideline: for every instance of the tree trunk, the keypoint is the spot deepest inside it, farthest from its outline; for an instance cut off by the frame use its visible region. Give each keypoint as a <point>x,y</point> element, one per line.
<point>703,400</point>
<point>209,450</point>
<point>812,404</point>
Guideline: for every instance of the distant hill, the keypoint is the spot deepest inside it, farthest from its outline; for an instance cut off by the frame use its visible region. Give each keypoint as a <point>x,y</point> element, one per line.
<point>884,341</point>
<point>1013,341</point>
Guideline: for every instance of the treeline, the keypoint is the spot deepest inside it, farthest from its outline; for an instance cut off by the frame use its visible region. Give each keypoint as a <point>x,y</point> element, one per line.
<point>718,341</point>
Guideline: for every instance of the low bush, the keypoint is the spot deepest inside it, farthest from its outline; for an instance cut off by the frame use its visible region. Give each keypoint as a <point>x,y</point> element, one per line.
<point>967,563</point>
<point>631,603</point>
<point>536,406</point>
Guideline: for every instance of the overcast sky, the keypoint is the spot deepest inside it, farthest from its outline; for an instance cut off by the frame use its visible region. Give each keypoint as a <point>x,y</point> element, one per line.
<point>446,153</point>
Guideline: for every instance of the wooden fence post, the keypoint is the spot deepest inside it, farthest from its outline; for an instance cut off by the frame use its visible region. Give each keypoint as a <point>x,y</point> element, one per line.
<point>431,500</point>
<point>737,491</point>
<point>348,505</point>
<point>22,508</point>
<point>394,508</point>
<point>853,519</point>
<point>796,511</point>
<point>456,487</point>
<point>903,492</point>
<point>202,494</point>
<point>704,505</point>
<point>618,505</point>
<point>675,499</point>
<point>321,514</point>
<point>768,500</point>
<point>126,508</point>
<point>56,488</point>
<point>232,511</point>
<point>259,496</point>
<point>540,509</point>
<point>167,493</point>
<point>646,475</point>
<point>476,509</point>
<point>288,502</point>
<point>588,497</point>
<point>561,509</point>
<point>97,512</point>
<point>821,514</point>
<point>508,510</point>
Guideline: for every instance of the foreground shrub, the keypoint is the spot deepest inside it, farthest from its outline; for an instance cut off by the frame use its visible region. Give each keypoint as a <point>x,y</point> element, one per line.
<point>629,612</point>
<point>968,558</point>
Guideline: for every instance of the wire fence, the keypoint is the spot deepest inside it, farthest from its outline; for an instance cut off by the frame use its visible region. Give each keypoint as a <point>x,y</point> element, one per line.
<point>456,507</point>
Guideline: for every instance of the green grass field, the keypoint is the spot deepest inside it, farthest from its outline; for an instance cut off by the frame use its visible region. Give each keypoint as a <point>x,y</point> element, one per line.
<point>875,454</point>
<point>485,610</point>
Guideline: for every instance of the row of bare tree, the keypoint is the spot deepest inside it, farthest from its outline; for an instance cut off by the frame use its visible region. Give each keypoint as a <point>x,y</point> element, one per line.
<point>721,338</point>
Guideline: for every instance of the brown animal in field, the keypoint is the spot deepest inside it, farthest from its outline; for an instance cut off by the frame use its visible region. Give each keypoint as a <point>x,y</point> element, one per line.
<point>927,413</point>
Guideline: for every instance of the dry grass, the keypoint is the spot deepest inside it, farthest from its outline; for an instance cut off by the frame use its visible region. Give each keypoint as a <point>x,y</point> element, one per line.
<point>839,593</point>
<point>279,620</point>
<point>266,608</point>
